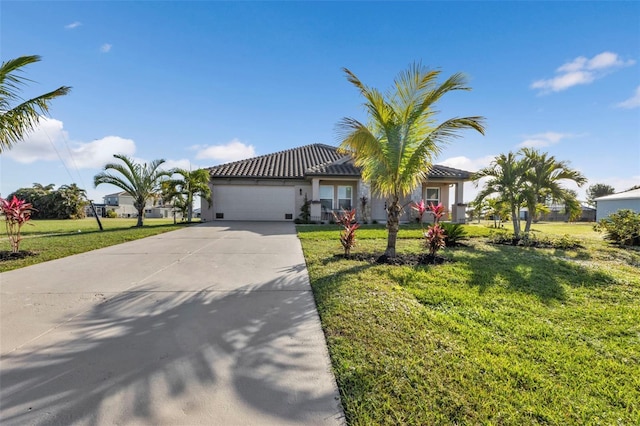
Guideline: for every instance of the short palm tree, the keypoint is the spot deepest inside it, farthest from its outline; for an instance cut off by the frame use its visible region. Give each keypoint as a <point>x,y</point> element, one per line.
<point>506,177</point>
<point>141,181</point>
<point>396,149</point>
<point>190,184</point>
<point>544,176</point>
<point>18,117</point>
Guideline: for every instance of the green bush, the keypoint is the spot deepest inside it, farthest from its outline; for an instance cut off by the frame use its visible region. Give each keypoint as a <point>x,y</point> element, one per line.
<point>621,227</point>
<point>454,233</point>
<point>112,214</point>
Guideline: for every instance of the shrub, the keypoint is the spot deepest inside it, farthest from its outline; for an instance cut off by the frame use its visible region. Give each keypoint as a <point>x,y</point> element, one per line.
<point>112,214</point>
<point>349,226</point>
<point>454,233</point>
<point>435,235</point>
<point>621,227</point>
<point>16,213</point>
<point>305,211</point>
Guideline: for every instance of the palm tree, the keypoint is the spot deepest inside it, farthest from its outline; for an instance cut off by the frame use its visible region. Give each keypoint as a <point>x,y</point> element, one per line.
<point>191,183</point>
<point>544,176</point>
<point>141,181</point>
<point>396,150</point>
<point>17,116</point>
<point>506,177</point>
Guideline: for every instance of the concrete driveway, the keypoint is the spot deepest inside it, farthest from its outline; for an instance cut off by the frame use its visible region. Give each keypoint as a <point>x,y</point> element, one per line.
<point>214,324</point>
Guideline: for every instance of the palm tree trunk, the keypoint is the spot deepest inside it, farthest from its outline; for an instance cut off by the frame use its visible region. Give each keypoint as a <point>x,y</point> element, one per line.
<point>516,221</point>
<point>531,210</point>
<point>140,216</point>
<point>393,225</point>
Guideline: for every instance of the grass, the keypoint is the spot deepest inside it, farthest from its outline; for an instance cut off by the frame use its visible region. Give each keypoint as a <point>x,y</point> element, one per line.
<point>502,335</point>
<point>53,239</point>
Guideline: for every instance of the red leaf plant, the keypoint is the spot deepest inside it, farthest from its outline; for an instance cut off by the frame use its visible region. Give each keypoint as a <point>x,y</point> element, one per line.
<point>435,235</point>
<point>16,213</point>
<point>420,207</point>
<point>349,226</point>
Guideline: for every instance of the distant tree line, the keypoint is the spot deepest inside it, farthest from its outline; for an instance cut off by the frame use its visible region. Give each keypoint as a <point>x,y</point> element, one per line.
<point>66,202</point>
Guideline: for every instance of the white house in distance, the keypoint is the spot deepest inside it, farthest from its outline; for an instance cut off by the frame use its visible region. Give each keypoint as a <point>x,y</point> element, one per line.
<point>614,202</point>
<point>273,187</point>
<point>122,204</point>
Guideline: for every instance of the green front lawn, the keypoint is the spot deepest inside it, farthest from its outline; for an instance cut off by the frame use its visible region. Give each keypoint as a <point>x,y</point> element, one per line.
<point>502,335</point>
<point>53,239</point>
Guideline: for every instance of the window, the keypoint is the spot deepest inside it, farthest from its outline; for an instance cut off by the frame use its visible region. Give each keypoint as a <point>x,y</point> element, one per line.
<point>326,197</point>
<point>344,197</point>
<point>432,196</point>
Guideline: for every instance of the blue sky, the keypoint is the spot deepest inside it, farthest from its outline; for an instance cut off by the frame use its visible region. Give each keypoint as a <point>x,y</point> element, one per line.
<point>203,83</point>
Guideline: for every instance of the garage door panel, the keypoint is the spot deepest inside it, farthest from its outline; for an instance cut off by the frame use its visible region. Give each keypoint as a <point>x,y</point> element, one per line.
<point>237,202</point>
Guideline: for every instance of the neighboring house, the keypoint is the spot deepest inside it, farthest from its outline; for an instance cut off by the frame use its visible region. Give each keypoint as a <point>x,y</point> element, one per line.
<point>558,213</point>
<point>122,204</point>
<point>614,202</point>
<point>273,187</point>
<point>101,210</point>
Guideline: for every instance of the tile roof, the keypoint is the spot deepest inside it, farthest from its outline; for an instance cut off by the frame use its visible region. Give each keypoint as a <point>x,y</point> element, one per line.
<point>292,163</point>
<point>308,160</point>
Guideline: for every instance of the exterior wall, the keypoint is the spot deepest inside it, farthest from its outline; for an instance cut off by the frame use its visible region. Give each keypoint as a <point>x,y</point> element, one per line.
<point>320,214</point>
<point>298,188</point>
<point>606,207</point>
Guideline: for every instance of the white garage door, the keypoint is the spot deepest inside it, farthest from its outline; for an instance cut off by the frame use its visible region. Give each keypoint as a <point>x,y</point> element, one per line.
<point>239,202</point>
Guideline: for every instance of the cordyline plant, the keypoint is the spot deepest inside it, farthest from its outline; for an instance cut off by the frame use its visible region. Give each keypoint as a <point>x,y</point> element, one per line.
<point>435,235</point>
<point>349,226</point>
<point>16,213</point>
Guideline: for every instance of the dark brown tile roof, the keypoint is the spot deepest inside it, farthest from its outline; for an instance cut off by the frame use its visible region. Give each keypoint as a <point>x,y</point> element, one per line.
<point>308,160</point>
<point>438,171</point>
<point>291,164</point>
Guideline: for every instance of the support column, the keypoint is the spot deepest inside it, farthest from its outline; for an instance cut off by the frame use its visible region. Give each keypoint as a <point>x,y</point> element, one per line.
<point>316,210</point>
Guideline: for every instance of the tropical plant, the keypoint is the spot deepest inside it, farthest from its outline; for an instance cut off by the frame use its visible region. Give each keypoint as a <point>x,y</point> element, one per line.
<point>621,227</point>
<point>453,233</point>
<point>16,213</point>
<point>420,209</point>
<point>397,147</point>
<point>435,235</point>
<point>544,177</point>
<point>17,116</point>
<point>189,184</point>
<point>347,219</point>
<point>141,181</point>
<point>598,190</point>
<point>66,202</point>
<point>505,177</point>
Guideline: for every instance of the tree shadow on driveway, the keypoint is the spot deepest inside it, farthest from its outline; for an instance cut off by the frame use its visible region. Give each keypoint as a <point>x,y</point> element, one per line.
<point>166,357</point>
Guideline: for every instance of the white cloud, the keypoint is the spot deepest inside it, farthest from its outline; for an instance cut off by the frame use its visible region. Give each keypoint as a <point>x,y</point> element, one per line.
<point>581,70</point>
<point>96,154</point>
<point>50,142</point>
<point>105,48</point>
<point>231,151</point>
<point>632,102</point>
<point>468,164</point>
<point>73,25</point>
<point>39,145</point>
<point>541,140</point>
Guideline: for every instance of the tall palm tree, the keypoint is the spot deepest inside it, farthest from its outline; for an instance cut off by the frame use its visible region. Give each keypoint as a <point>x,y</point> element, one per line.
<point>18,117</point>
<point>396,149</point>
<point>141,181</point>
<point>506,177</point>
<point>190,184</point>
<point>544,176</point>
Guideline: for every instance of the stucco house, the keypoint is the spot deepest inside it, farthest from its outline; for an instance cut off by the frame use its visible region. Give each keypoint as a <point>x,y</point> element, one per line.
<point>614,202</point>
<point>274,187</point>
<point>122,204</point>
